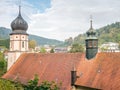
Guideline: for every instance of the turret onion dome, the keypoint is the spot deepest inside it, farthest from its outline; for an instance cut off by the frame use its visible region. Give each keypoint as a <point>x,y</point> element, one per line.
<point>19,24</point>
<point>91,33</point>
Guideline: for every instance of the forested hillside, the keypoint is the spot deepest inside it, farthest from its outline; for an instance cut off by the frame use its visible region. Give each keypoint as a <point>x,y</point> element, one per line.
<point>4,33</point>
<point>43,41</point>
<point>109,33</point>
<point>4,38</point>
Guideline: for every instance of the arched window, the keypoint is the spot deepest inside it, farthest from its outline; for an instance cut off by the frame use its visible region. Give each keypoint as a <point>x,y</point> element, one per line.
<point>23,44</point>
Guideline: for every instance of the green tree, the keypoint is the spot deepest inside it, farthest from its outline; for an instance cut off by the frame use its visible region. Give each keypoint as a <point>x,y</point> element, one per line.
<point>32,84</point>
<point>52,50</point>
<point>46,85</point>
<point>9,85</point>
<point>77,48</point>
<point>3,64</point>
<point>32,44</point>
<point>5,43</point>
<point>42,50</point>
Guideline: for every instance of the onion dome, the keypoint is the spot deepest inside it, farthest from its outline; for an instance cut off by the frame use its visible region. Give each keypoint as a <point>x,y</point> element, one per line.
<point>19,25</point>
<point>91,33</point>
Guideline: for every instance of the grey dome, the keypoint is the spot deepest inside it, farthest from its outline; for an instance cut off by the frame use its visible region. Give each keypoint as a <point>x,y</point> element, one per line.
<point>19,23</point>
<point>91,32</point>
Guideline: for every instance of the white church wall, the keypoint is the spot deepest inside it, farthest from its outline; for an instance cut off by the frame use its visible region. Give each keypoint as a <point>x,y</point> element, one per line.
<point>12,58</point>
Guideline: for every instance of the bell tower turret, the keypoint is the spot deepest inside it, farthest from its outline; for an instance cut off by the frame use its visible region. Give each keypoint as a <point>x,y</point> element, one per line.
<point>91,43</point>
<point>18,39</point>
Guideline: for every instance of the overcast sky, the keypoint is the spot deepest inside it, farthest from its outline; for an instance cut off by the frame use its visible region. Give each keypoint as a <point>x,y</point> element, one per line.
<point>60,19</point>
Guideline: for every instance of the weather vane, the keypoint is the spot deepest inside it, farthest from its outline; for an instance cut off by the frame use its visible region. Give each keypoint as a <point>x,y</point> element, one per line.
<point>19,7</point>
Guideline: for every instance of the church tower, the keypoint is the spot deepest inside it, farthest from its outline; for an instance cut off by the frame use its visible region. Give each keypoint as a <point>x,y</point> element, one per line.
<point>18,39</point>
<point>91,43</point>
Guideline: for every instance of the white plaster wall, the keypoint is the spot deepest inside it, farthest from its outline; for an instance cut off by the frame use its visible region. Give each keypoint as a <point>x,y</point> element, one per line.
<point>16,48</point>
<point>16,42</point>
<point>12,58</point>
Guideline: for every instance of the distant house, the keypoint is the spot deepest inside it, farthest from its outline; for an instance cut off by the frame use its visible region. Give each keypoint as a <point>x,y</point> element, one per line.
<point>46,47</point>
<point>60,50</point>
<point>109,47</point>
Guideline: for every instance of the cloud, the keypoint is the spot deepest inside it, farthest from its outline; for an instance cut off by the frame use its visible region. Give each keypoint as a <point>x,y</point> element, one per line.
<point>60,21</point>
<point>9,11</point>
<point>66,18</point>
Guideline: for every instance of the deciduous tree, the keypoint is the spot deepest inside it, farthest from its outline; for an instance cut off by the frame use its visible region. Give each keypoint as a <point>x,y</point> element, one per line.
<point>32,44</point>
<point>77,48</point>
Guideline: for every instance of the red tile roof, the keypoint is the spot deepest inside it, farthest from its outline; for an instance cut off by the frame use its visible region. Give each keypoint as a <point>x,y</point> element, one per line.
<point>103,72</point>
<point>52,67</point>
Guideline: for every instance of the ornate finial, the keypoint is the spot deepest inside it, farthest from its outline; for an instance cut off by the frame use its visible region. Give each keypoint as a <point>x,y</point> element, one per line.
<point>91,21</point>
<point>19,10</point>
<point>20,7</point>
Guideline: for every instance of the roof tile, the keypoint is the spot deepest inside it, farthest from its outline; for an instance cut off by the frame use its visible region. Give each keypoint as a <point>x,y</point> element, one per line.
<point>52,67</point>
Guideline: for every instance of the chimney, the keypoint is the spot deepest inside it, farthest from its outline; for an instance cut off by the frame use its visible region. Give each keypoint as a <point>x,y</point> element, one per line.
<point>73,76</point>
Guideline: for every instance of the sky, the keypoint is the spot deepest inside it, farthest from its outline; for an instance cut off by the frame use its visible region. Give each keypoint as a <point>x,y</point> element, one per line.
<point>60,19</point>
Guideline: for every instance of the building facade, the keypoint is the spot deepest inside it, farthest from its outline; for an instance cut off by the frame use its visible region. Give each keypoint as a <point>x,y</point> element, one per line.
<point>18,39</point>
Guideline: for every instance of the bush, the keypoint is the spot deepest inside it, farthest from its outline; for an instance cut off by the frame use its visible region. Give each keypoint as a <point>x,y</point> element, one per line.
<point>77,48</point>
<point>46,85</point>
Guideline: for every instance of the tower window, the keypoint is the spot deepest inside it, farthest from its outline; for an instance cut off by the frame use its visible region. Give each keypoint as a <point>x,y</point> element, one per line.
<point>95,44</point>
<point>22,44</point>
<point>90,43</point>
